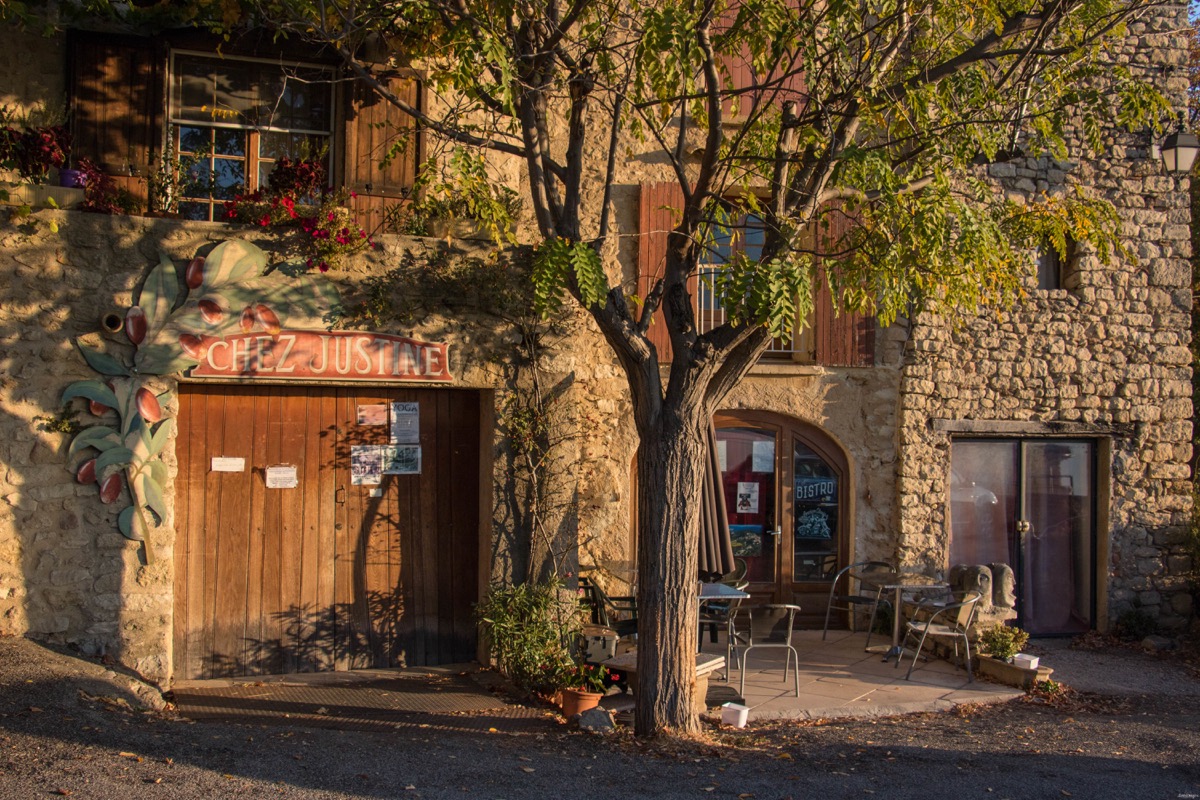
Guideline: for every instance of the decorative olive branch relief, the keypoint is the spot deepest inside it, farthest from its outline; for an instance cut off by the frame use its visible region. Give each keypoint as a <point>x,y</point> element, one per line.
<point>170,326</point>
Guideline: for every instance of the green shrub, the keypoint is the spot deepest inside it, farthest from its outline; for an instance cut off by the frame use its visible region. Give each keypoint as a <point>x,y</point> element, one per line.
<point>530,630</point>
<point>1002,641</point>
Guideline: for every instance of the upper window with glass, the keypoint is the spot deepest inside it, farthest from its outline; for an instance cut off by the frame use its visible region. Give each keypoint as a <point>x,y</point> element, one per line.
<point>241,116</point>
<point>745,234</point>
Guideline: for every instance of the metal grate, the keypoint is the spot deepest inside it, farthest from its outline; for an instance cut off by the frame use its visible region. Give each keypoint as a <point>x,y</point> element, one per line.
<point>447,702</point>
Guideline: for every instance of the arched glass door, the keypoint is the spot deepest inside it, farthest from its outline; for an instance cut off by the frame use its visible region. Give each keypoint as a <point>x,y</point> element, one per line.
<point>786,496</point>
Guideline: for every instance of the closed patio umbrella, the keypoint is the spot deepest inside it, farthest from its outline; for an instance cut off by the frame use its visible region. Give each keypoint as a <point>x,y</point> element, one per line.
<point>716,547</point>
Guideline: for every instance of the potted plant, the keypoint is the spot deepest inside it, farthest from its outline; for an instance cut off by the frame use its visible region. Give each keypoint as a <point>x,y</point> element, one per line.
<point>584,686</point>
<point>1001,643</point>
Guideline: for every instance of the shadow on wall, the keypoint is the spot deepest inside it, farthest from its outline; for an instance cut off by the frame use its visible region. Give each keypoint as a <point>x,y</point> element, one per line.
<point>66,574</point>
<point>538,502</point>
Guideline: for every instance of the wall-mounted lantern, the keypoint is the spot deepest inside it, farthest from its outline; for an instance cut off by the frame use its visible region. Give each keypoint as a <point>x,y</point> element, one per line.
<point>1179,149</point>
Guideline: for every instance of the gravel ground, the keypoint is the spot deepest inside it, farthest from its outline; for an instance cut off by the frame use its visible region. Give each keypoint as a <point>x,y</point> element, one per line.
<point>70,727</point>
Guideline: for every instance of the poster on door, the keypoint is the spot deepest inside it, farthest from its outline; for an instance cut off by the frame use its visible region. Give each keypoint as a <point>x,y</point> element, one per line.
<point>366,465</point>
<point>747,497</point>
<point>406,423</point>
<point>401,459</point>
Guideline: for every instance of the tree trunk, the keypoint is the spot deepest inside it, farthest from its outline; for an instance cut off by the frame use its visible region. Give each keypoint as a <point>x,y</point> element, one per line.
<point>670,465</point>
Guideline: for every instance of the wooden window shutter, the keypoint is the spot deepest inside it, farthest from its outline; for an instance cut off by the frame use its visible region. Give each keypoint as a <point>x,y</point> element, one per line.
<point>373,126</point>
<point>846,339</point>
<point>117,100</point>
<point>658,208</point>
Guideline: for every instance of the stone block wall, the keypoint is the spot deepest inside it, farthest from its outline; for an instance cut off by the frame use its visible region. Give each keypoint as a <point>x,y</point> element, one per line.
<point>1106,358</point>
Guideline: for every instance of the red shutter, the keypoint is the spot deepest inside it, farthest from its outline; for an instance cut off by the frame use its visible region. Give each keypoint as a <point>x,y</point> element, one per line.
<point>659,206</point>
<point>846,339</point>
<point>373,126</point>
<point>117,102</point>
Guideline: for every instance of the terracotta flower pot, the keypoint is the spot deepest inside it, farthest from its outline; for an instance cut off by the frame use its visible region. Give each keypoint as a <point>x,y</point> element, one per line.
<point>576,701</point>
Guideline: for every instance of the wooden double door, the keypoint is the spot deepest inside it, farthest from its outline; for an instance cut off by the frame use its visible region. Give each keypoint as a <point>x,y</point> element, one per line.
<point>347,568</point>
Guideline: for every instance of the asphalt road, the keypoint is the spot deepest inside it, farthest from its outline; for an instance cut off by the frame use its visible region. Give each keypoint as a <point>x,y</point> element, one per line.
<point>67,728</point>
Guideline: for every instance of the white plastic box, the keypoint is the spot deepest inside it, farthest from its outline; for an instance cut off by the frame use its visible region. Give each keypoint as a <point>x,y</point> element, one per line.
<point>1025,661</point>
<point>734,714</point>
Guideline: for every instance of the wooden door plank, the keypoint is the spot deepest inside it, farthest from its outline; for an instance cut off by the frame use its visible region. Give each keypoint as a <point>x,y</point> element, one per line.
<point>373,592</point>
<point>407,544</point>
<point>229,627</point>
<point>255,645</point>
<point>465,527</point>
<point>289,419</point>
<point>453,490</point>
<point>433,414</point>
<point>342,576</point>
<point>205,586</point>
<point>184,441</point>
<point>331,476</point>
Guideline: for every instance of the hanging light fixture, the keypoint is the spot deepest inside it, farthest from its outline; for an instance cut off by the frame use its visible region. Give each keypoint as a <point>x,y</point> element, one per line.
<point>1179,149</point>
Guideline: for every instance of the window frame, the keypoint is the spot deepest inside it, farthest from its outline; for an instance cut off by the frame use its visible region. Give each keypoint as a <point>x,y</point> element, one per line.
<point>252,158</point>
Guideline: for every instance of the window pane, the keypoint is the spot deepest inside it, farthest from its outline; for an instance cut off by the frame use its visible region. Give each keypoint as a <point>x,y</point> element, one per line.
<point>228,178</point>
<point>275,145</point>
<point>1056,593</point>
<point>193,211</point>
<point>983,502</point>
<point>229,142</point>
<point>193,139</point>
<point>1049,268</point>
<point>816,516</point>
<point>748,477</point>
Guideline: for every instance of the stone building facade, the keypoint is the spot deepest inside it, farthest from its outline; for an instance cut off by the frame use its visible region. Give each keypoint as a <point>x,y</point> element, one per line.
<point>1055,435</point>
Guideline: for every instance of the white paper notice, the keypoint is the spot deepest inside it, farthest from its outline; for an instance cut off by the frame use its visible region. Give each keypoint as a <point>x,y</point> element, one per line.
<point>366,465</point>
<point>402,459</point>
<point>373,414</point>
<point>406,423</point>
<point>282,477</point>
<point>763,456</point>
<point>723,455</point>
<point>227,464</point>
<point>747,498</point>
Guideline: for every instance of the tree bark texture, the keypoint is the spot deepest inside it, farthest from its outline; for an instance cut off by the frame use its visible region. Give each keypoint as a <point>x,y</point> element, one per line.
<point>670,467</point>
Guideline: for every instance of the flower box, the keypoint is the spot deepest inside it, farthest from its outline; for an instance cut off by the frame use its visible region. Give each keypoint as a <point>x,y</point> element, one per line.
<point>39,195</point>
<point>1011,674</point>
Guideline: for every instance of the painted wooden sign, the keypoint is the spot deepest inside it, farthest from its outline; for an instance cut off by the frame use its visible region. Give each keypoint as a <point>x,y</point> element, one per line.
<point>323,355</point>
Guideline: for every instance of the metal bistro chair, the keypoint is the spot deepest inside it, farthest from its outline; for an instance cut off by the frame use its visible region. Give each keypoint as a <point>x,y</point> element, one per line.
<point>945,621</point>
<point>768,619</point>
<point>725,612</point>
<point>851,596</point>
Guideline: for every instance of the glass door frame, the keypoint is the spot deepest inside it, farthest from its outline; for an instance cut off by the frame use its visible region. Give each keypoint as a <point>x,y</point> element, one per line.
<point>788,430</point>
<point>1019,532</point>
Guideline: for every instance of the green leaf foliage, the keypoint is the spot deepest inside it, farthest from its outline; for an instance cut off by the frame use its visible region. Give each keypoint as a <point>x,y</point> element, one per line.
<point>92,390</point>
<point>130,524</point>
<point>102,362</point>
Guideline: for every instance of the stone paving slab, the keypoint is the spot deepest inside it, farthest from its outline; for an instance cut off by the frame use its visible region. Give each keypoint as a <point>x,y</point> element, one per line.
<point>839,679</point>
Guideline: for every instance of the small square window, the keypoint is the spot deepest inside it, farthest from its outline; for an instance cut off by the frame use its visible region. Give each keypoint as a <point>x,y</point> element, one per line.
<point>1054,271</point>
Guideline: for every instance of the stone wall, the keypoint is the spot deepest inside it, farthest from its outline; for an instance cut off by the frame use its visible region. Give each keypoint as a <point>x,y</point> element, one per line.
<point>66,573</point>
<point>1106,358</point>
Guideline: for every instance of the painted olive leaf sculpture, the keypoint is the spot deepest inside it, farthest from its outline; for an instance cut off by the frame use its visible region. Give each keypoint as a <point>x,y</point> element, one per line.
<point>170,326</point>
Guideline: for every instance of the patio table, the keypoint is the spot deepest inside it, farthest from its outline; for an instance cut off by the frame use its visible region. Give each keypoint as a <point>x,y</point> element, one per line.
<point>720,591</point>
<point>898,583</point>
